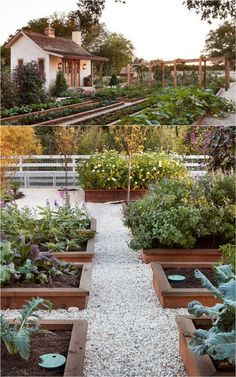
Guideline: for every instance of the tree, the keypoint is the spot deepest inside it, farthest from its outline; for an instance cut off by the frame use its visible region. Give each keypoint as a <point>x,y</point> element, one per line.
<point>113,80</point>
<point>131,140</point>
<point>9,96</point>
<point>221,42</point>
<point>118,50</point>
<point>60,86</point>
<point>29,83</point>
<point>16,141</point>
<point>67,144</point>
<point>211,9</point>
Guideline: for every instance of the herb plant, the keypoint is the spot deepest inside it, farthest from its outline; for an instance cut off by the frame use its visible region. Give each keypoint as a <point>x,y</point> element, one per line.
<point>16,337</point>
<point>219,340</point>
<point>184,213</point>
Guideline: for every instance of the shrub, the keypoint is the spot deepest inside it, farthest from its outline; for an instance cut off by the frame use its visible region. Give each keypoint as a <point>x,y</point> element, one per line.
<point>181,213</point>
<point>60,86</point>
<point>113,80</point>
<point>29,83</point>
<point>219,341</point>
<point>109,170</point>
<point>228,252</point>
<point>9,96</point>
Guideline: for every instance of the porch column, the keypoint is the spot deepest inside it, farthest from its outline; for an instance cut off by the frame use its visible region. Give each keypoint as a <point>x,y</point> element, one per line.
<point>150,75</point>
<point>227,74</point>
<point>72,72</point>
<point>101,72</point>
<point>92,72</point>
<point>163,75</point>
<point>175,71</point>
<point>128,75</point>
<point>200,73</point>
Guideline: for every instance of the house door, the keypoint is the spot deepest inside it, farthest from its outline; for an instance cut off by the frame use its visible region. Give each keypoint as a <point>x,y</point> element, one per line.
<point>77,73</point>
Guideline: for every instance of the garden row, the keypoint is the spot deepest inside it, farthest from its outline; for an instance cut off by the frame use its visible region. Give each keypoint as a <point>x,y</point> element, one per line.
<point>182,225</point>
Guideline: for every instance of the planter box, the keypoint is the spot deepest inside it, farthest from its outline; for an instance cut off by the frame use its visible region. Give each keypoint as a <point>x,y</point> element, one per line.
<point>81,256</point>
<point>181,255</point>
<point>195,365</point>
<point>76,351</point>
<point>179,297</point>
<point>103,196</point>
<point>61,298</point>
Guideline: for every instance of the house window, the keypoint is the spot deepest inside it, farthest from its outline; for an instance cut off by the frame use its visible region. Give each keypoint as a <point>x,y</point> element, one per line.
<point>41,67</point>
<point>20,63</point>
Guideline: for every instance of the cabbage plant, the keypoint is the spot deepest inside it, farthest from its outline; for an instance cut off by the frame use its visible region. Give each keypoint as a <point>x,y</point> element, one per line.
<point>219,341</point>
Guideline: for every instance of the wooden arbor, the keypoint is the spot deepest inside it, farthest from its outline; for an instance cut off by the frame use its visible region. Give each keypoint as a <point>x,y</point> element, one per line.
<point>202,66</point>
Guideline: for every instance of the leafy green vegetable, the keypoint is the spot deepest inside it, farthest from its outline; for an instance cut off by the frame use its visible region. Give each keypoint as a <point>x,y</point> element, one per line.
<point>219,340</point>
<point>16,337</point>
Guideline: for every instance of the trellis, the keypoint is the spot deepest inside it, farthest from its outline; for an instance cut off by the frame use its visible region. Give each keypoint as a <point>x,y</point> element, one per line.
<point>202,67</point>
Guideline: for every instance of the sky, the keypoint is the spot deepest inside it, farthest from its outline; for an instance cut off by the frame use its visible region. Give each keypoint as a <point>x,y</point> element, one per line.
<point>158,29</point>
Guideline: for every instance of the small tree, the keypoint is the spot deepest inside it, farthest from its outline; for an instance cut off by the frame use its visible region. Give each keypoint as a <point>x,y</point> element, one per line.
<point>60,85</point>
<point>131,140</point>
<point>67,139</point>
<point>113,80</point>
<point>8,89</point>
<point>29,83</point>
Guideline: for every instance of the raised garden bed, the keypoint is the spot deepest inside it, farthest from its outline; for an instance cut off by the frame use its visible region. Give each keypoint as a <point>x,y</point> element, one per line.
<point>102,196</point>
<point>85,255</point>
<point>66,337</point>
<point>61,298</point>
<point>181,255</point>
<point>194,365</point>
<point>179,294</point>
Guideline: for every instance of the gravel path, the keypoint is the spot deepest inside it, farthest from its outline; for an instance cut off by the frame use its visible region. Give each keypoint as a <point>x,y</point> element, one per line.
<point>129,334</point>
<point>230,119</point>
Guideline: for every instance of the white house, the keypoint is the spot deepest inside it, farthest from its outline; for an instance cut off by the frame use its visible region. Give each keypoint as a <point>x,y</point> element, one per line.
<point>52,54</point>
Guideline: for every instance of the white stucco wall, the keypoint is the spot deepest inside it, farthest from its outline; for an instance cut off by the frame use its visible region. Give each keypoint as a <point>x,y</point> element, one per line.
<point>53,69</point>
<point>24,48</point>
<point>84,72</point>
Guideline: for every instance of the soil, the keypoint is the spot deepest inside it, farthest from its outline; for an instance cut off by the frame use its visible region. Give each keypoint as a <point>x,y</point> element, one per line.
<point>63,281</point>
<point>14,365</point>
<point>191,281</point>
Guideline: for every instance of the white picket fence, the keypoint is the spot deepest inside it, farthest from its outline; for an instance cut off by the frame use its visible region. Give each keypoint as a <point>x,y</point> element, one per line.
<point>49,171</point>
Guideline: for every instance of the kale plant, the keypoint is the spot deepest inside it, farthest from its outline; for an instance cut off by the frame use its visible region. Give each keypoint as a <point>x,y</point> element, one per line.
<point>219,340</point>
<point>16,337</point>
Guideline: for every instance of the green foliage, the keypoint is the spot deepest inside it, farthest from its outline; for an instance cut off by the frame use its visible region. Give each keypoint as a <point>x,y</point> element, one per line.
<point>16,336</point>
<point>109,170</point>
<point>228,255</point>
<point>113,80</point>
<point>184,213</point>
<point>221,42</point>
<point>212,9</point>
<point>219,340</point>
<point>60,86</point>
<point>29,83</point>
<point>180,106</point>
<point>9,96</point>
<point>55,228</point>
<point>24,262</point>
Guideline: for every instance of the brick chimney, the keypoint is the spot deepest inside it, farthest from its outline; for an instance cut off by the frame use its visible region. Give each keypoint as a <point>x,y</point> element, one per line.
<point>49,31</point>
<point>76,37</point>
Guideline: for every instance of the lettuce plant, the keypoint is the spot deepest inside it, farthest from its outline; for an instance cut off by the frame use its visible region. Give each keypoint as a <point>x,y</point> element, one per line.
<point>16,337</point>
<point>219,340</point>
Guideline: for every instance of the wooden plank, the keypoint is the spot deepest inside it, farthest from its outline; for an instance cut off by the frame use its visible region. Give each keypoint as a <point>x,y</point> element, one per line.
<point>76,353</point>
<point>200,73</point>
<point>227,74</point>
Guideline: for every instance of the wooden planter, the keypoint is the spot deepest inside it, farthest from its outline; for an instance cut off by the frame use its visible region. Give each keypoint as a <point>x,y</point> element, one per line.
<point>181,255</point>
<point>76,351</point>
<point>179,297</point>
<point>195,365</point>
<point>102,196</point>
<point>61,298</point>
<point>81,256</point>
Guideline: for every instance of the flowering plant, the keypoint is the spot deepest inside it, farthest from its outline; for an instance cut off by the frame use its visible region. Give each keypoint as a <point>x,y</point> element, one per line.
<point>109,170</point>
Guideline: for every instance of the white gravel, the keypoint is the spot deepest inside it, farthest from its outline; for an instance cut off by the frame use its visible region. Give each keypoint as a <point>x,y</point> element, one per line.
<point>129,334</point>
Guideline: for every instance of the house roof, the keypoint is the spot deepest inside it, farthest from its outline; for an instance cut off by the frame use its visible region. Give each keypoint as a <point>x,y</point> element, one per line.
<point>57,45</point>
